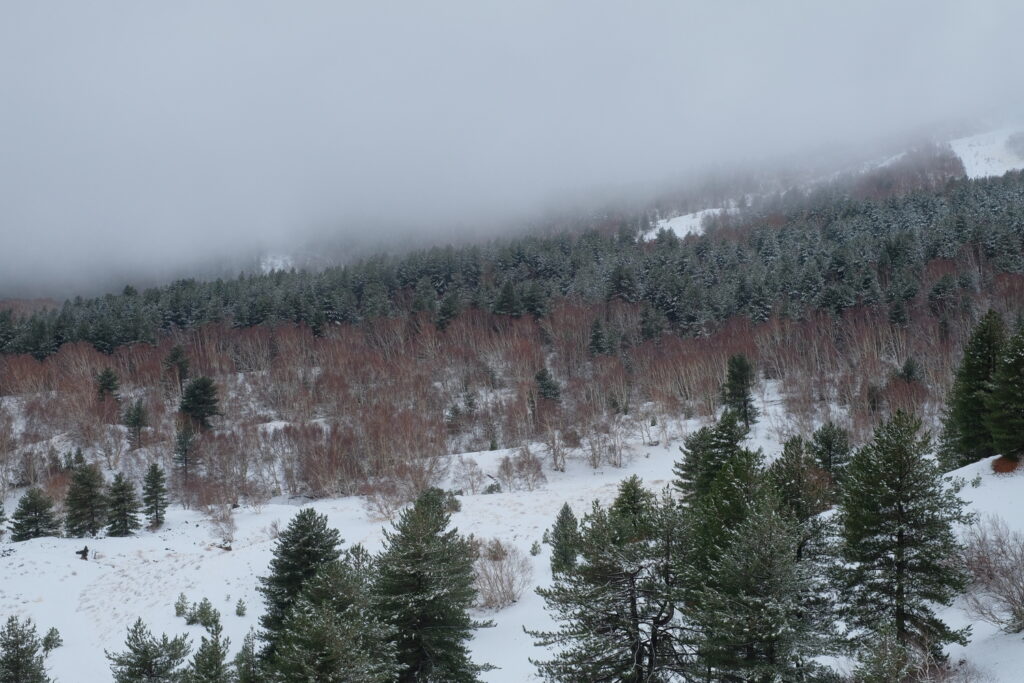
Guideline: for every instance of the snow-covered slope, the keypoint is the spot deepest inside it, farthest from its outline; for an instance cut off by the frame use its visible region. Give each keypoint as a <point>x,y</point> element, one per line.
<point>988,154</point>
<point>687,224</point>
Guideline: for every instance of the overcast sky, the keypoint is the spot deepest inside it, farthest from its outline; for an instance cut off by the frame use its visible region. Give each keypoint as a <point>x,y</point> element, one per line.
<point>137,136</point>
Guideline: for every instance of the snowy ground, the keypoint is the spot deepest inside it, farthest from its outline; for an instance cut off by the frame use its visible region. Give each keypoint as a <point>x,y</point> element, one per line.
<point>687,224</point>
<point>93,602</point>
<point>987,154</point>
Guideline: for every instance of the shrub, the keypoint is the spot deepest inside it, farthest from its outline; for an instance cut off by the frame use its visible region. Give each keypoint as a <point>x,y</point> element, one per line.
<point>502,573</point>
<point>203,613</point>
<point>181,605</point>
<point>995,558</point>
<point>240,608</point>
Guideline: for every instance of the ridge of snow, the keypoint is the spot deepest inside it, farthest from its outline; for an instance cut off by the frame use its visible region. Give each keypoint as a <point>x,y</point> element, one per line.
<point>987,154</point>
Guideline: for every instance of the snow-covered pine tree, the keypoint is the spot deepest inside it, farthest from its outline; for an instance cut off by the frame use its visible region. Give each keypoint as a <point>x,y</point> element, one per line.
<point>424,589</point>
<point>154,496</point>
<point>135,419</point>
<point>147,658</point>
<point>966,435</point>
<point>21,656</point>
<point>565,540</point>
<point>331,633</point>
<point>902,557</point>
<point>800,484</point>
<point>830,445</point>
<point>705,451</point>
<point>615,606</point>
<point>123,511</point>
<point>199,402</point>
<point>85,507</point>
<point>1005,403</point>
<point>306,545</point>
<point>107,384</point>
<point>210,662</point>
<point>34,517</point>
<point>736,392</point>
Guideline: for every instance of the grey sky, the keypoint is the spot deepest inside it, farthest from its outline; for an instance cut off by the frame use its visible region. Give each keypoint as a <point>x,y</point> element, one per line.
<point>138,136</point>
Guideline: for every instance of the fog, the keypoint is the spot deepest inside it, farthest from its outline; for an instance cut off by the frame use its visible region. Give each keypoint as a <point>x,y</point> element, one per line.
<point>138,139</point>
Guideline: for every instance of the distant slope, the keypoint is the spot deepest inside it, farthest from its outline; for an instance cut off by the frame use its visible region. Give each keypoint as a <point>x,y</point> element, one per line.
<point>990,154</point>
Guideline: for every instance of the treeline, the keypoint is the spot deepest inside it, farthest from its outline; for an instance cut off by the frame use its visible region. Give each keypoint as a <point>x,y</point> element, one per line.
<point>790,255</point>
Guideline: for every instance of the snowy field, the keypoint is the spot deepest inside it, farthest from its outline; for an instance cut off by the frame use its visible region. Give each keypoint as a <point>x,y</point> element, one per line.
<point>687,224</point>
<point>987,154</point>
<point>93,602</point>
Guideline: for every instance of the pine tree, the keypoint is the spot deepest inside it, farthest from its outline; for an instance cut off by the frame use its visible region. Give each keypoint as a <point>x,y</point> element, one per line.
<point>448,310</point>
<point>247,661</point>
<point>736,393</point>
<point>154,496</point>
<point>306,545</point>
<point>107,384</point>
<point>331,633</point>
<point>565,541</point>
<point>184,455</point>
<point>424,589</point>
<point>135,419</point>
<point>176,363</point>
<point>966,436</point>
<point>800,485</point>
<point>85,507</point>
<point>704,453</point>
<point>199,402</point>
<point>1005,404</point>
<point>615,607</point>
<point>598,339</point>
<point>21,658</point>
<point>830,445</point>
<point>896,519</point>
<point>631,510</point>
<point>149,659</point>
<point>210,662</point>
<point>34,518</point>
<point>122,516</point>
<point>547,387</point>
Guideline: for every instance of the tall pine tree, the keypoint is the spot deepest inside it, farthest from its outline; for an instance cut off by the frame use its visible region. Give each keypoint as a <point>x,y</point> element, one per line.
<point>34,517</point>
<point>1005,402</point>
<point>565,540</point>
<point>966,435</point>
<point>122,515</point>
<point>736,392</point>
<point>424,589</point>
<point>154,496</point>
<point>901,554</point>
<point>21,653</point>
<point>85,507</point>
<point>147,658</point>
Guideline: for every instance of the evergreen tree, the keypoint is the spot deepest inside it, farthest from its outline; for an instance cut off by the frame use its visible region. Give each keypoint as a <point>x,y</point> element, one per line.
<point>615,607</point>
<point>184,455</point>
<point>424,589</point>
<point>632,509</point>
<point>107,384</point>
<point>331,633</point>
<point>705,451</point>
<point>508,302</point>
<point>122,516</point>
<point>547,386</point>
<point>306,544</point>
<point>176,363</point>
<point>830,445</point>
<point>154,496</point>
<point>21,658</point>
<point>135,419</point>
<point>247,661</point>
<point>210,662</point>
<point>199,402</point>
<point>85,507</point>
<point>3,518</point>
<point>736,393</point>
<point>966,436</point>
<point>34,518</point>
<point>901,555</point>
<point>448,310</point>
<point>565,540</point>
<point>1005,404</point>
<point>800,485</point>
<point>598,339</point>
<point>149,659</point>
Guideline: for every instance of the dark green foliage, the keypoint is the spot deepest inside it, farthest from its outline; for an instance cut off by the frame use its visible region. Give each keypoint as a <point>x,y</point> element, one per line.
<point>184,454</point>
<point>154,496</point>
<point>565,540</point>
<point>51,641</point>
<point>21,658</point>
<point>830,445</point>
<point>631,510</point>
<point>135,419</point>
<point>966,436</point>
<point>332,634</point>
<point>736,392</point>
<point>147,658</point>
<point>424,589</point>
<point>1005,403</point>
<point>204,614</point>
<point>896,519</point>
<point>123,511</point>
<point>448,310</point>
<point>199,402</point>
<point>34,518</point>
<point>599,342</point>
<point>85,507</point>
<point>800,485</point>
<point>210,662</point>
<point>705,451</point>
<point>547,386</point>
<point>615,606</point>
<point>176,363</point>
<point>306,545</point>
<point>247,661</point>
<point>107,384</point>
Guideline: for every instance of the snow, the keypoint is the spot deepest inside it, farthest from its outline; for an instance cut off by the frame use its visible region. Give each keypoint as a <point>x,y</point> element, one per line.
<point>987,154</point>
<point>92,603</point>
<point>687,224</point>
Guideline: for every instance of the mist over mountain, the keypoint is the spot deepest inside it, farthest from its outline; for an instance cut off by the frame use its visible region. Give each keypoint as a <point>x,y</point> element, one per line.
<point>144,141</point>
